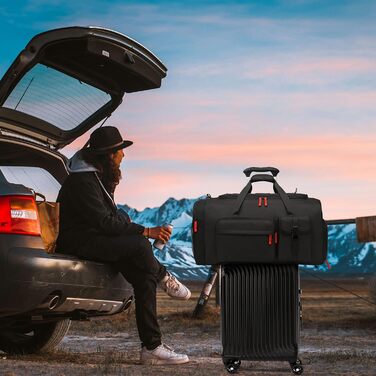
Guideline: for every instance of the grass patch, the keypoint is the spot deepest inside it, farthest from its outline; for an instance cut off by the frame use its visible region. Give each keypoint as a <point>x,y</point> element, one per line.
<point>209,319</point>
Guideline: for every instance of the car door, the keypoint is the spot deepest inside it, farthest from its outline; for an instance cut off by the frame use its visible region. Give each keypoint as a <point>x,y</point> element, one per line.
<point>67,80</point>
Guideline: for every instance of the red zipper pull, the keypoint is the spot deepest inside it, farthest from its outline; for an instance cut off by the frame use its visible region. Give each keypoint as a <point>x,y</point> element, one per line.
<point>327,264</point>
<point>260,201</point>
<point>265,201</point>
<point>270,240</point>
<point>276,237</point>
<point>194,226</point>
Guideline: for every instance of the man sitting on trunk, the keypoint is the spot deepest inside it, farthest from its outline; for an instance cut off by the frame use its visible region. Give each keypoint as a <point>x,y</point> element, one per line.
<point>92,228</point>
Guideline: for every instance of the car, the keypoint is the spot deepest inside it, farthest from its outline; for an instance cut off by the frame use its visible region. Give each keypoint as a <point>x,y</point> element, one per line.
<point>65,82</point>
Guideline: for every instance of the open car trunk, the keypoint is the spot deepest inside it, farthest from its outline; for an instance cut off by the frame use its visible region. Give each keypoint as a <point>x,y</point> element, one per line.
<point>67,80</point>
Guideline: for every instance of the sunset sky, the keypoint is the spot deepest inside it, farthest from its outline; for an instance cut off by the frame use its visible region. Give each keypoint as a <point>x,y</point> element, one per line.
<point>290,84</point>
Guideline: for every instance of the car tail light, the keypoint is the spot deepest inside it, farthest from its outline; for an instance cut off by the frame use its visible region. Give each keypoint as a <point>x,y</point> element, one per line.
<point>19,215</point>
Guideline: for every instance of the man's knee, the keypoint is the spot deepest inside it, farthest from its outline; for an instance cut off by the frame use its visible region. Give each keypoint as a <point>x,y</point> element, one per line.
<point>145,247</point>
<point>142,260</point>
<point>144,242</point>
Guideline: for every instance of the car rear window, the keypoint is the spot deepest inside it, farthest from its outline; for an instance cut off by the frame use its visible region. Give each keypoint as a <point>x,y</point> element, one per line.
<point>37,178</point>
<point>55,97</point>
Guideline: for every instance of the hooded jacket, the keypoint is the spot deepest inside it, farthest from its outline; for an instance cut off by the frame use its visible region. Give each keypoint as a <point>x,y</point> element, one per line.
<point>87,209</point>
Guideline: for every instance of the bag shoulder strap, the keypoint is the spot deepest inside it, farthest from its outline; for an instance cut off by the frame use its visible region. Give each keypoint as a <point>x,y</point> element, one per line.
<point>277,189</point>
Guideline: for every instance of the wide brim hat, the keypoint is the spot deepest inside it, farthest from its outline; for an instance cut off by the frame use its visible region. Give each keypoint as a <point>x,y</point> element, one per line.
<point>107,140</point>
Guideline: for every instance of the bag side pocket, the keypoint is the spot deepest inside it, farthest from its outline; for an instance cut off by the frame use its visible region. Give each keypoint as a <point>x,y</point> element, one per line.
<point>294,245</point>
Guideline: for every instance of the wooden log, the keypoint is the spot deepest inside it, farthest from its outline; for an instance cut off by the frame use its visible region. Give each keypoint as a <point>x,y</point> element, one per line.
<point>366,229</point>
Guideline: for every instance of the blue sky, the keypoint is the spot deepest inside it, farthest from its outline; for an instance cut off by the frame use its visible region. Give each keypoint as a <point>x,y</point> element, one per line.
<point>285,83</point>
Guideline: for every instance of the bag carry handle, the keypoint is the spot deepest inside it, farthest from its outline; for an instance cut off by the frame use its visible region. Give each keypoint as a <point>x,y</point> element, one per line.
<point>248,171</point>
<point>262,177</point>
<point>276,187</point>
<point>37,194</point>
<point>43,197</point>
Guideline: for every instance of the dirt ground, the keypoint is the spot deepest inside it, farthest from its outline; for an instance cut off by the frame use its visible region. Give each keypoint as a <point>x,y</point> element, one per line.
<point>338,337</point>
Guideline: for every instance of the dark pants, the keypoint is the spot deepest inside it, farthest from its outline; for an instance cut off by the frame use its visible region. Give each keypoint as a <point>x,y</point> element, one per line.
<point>133,256</point>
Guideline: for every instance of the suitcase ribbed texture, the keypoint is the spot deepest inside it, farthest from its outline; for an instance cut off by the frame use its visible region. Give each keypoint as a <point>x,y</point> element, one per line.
<point>260,312</point>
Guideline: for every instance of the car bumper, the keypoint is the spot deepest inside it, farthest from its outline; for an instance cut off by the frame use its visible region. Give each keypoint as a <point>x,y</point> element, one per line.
<point>29,276</point>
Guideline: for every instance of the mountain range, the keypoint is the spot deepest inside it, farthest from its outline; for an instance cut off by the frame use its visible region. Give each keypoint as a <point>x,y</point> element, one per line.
<point>345,255</point>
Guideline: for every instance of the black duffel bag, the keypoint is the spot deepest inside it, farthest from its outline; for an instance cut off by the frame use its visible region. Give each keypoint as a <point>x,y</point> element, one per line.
<point>277,228</point>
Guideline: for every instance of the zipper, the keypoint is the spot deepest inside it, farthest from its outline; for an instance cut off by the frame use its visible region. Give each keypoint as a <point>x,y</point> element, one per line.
<point>271,196</point>
<point>262,200</point>
<point>195,229</point>
<point>270,239</point>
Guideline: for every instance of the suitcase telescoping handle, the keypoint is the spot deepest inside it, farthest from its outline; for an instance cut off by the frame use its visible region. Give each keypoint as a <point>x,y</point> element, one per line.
<point>276,187</point>
<point>248,171</point>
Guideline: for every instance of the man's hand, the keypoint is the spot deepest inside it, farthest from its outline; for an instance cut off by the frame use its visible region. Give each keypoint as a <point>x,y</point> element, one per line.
<point>159,232</point>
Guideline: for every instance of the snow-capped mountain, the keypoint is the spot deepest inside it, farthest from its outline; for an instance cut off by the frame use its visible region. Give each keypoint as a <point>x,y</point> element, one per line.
<point>346,255</point>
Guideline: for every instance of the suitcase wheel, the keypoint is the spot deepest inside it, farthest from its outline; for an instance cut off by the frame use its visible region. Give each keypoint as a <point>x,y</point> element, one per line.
<point>297,367</point>
<point>231,368</point>
<point>232,365</point>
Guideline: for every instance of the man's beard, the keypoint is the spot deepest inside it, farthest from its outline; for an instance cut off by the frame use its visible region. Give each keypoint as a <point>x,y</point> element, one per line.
<point>111,177</point>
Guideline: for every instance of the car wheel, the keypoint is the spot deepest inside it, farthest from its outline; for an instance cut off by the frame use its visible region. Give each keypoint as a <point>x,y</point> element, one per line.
<point>33,338</point>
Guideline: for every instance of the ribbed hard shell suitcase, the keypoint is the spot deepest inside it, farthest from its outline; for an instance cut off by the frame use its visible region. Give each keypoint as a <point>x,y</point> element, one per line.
<point>260,314</point>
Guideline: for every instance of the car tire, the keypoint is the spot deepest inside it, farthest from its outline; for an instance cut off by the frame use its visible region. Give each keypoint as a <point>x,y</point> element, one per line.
<point>37,338</point>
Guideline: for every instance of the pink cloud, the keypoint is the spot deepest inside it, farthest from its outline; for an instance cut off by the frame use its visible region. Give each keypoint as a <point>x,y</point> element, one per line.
<point>339,170</point>
<point>232,147</point>
<point>226,105</point>
<point>315,66</point>
<point>336,166</point>
<point>283,65</point>
<point>145,187</point>
<point>349,155</point>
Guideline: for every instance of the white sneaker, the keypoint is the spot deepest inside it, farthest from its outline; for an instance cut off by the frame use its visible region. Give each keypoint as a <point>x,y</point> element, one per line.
<point>162,355</point>
<point>174,288</point>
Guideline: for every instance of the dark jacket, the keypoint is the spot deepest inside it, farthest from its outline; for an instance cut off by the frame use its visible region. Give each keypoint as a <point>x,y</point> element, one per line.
<point>87,210</point>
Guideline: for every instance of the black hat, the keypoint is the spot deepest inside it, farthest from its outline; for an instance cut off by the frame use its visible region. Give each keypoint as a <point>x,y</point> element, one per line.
<point>107,140</point>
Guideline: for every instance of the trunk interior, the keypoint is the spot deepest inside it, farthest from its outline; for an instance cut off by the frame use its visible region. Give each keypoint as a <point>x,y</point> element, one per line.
<point>19,175</point>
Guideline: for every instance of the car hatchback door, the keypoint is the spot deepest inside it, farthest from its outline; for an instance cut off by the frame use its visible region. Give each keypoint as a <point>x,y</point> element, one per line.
<point>67,80</point>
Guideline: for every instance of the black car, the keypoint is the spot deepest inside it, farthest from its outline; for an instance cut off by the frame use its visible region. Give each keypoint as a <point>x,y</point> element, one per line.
<point>62,84</point>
